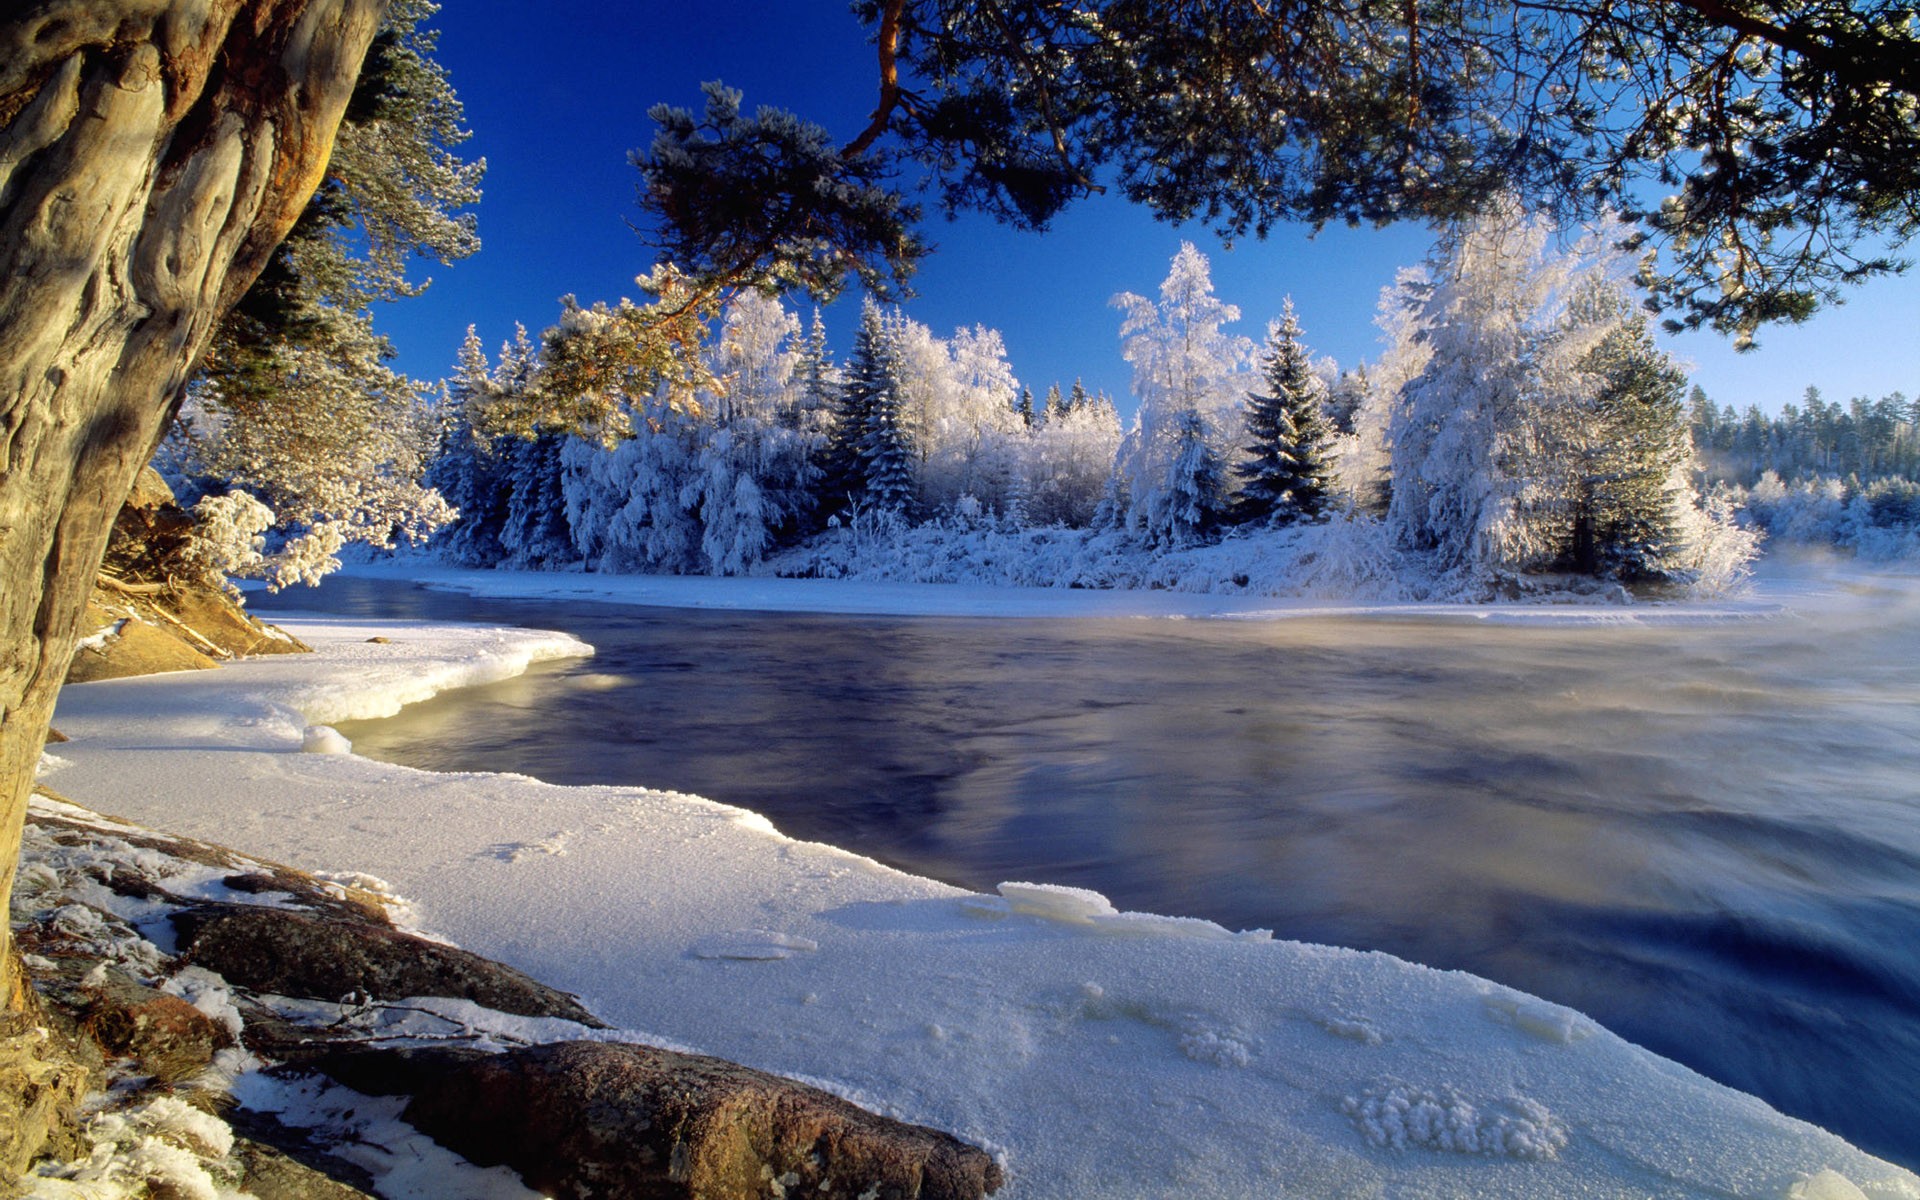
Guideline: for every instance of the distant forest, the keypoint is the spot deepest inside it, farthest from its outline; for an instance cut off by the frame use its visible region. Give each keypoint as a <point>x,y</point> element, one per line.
<point>1862,440</point>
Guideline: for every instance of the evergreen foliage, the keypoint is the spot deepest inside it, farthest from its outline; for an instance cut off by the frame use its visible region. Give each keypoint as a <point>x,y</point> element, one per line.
<point>1285,475</point>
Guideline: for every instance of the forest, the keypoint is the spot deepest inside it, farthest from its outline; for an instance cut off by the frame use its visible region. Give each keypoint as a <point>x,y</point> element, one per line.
<point>1519,431</point>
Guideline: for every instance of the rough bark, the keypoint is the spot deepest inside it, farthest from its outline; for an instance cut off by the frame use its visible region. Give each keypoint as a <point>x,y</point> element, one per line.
<point>152,154</point>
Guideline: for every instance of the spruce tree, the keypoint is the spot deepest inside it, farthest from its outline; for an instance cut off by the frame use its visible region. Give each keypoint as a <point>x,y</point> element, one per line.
<point>1194,496</point>
<point>886,452</point>
<point>843,475</point>
<point>1054,405</point>
<point>1075,398</point>
<point>1025,407</point>
<point>1287,475</point>
<point>1628,526</point>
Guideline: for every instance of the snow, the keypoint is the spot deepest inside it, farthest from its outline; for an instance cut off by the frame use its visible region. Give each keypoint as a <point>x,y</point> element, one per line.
<point>1180,1059</point>
<point>858,597</point>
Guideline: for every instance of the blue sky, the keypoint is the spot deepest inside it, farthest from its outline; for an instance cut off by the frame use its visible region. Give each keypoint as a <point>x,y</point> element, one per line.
<point>557,96</point>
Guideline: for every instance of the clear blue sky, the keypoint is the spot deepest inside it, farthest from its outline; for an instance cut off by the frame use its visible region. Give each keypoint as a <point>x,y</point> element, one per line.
<point>557,96</point>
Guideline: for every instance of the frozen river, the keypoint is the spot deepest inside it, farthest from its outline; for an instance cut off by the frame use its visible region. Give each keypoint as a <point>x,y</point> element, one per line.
<point>1705,836</point>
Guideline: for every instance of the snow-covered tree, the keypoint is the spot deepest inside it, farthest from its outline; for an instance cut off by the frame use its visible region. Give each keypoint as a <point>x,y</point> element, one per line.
<point>470,470</point>
<point>886,449</point>
<point>1064,467</point>
<point>1183,363</point>
<point>755,470</point>
<point>869,371</point>
<point>1191,498</point>
<point>1487,436</point>
<point>336,447</point>
<point>1285,474</point>
<point>973,432</point>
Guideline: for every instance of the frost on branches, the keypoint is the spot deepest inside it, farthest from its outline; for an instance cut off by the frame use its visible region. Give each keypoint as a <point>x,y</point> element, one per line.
<point>1519,422</point>
<point>1188,377</point>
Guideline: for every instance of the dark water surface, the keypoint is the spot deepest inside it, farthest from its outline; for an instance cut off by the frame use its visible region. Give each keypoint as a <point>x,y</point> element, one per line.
<point>1707,837</point>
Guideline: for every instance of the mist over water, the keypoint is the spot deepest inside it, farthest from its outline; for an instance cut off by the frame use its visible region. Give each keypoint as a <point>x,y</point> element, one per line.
<point>1707,837</point>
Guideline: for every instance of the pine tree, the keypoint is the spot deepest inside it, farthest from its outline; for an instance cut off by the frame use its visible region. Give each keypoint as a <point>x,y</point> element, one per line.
<point>1050,412</point>
<point>1286,475</point>
<point>842,471</point>
<point>1076,398</point>
<point>1193,498</point>
<point>1026,407</point>
<point>886,452</point>
<point>1628,525</point>
<point>467,471</point>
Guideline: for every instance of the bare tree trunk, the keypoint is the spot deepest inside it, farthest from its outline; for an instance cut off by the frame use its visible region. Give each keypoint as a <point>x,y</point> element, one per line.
<point>152,154</point>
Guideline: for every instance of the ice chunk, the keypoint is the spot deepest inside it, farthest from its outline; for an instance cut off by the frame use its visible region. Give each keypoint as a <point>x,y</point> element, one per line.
<point>1547,1021</point>
<point>1056,902</point>
<point>324,739</point>
<point>1826,1184</point>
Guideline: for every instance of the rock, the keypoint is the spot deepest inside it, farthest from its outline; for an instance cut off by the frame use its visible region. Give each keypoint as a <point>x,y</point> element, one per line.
<point>169,1038</point>
<point>593,1119</point>
<point>268,1173</point>
<point>128,645</point>
<point>299,954</point>
<point>54,736</point>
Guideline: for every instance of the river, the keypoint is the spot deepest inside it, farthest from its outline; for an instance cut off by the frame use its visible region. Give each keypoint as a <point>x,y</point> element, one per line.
<point>1705,836</point>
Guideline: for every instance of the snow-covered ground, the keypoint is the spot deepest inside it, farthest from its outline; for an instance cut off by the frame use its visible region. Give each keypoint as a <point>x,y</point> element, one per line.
<point>771,594</point>
<point>1099,1054</point>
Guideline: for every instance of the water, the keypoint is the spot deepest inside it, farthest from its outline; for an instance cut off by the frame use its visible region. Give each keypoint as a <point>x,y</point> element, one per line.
<point>1707,837</point>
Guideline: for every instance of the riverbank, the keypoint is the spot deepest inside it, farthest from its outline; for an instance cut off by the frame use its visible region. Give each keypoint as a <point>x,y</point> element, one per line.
<point>866,598</point>
<point>1095,1053</point>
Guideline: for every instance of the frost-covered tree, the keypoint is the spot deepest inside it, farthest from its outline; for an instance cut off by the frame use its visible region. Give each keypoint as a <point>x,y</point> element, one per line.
<point>1285,473</point>
<point>297,402</point>
<point>755,470</point>
<point>973,433</point>
<point>887,451</point>
<point>470,470</point>
<point>1064,467</point>
<point>1191,498</point>
<point>1487,435</point>
<point>1183,363</point>
<point>840,469</point>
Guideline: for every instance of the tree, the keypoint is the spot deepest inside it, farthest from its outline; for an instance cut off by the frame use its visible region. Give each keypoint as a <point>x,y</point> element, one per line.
<point>470,469</point>
<point>295,401</point>
<point>842,470</point>
<point>1486,435</point>
<point>1782,133</point>
<point>1285,475</point>
<point>156,156</point>
<point>1637,476</point>
<point>886,450</point>
<point>1183,363</point>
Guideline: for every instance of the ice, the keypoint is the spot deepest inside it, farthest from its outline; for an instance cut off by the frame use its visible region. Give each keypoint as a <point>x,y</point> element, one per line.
<point>324,739</point>
<point>1178,1059</point>
<point>1055,902</point>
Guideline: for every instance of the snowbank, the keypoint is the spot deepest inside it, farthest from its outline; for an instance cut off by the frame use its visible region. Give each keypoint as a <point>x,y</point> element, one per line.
<point>868,598</point>
<point>1098,1053</point>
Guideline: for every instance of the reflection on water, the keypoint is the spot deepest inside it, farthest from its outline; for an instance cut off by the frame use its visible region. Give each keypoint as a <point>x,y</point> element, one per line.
<point>1707,837</point>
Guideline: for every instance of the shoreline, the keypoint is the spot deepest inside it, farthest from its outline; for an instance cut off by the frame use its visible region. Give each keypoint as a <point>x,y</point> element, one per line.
<point>768,594</point>
<point>1095,1053</point>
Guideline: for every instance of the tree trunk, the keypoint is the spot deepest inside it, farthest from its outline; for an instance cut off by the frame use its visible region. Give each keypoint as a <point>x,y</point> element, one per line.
<point>152,154</point>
